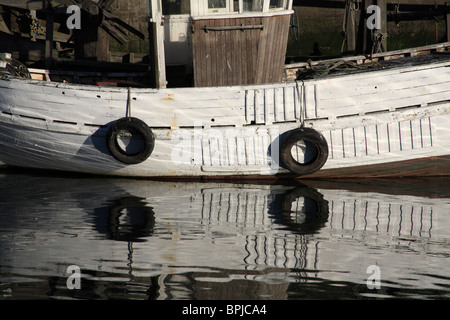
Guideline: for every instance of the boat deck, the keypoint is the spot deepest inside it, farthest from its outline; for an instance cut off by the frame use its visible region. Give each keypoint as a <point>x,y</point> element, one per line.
<point>357,64</point>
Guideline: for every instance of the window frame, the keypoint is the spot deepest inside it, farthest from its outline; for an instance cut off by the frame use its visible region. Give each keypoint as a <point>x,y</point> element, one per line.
<point>229,7</point>
<point>201,8</point>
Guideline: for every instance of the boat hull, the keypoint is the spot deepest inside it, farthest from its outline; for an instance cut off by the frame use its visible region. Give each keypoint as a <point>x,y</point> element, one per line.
<point>375,124</point>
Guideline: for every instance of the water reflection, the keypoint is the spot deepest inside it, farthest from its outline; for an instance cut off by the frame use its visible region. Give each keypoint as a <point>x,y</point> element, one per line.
<point>136,239</point>
<point>125,219</point>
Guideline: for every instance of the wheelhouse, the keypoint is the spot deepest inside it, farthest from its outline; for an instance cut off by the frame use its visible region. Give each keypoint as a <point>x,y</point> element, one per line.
<point>219,42</point>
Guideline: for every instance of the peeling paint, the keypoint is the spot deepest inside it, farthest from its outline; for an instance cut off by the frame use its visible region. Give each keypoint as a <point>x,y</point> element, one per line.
<point>169,97</point>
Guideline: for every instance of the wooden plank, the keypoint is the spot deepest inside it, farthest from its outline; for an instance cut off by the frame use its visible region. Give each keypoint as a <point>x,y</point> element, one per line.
<point>230,66</point>
<point>416,134</point>
<point>260,150</point>
<point>360,141</point>
<point>351,30</point>
<point>371,140</point>
<point>273,57</point>
<point>206,155</point>
<point>425,129</point>
<point>240,55</point>
<point>247,54</point>
<point>401,90</point>
<point>157,36</point>
<point>204,58</point>
<point>337,146</point>
<point>279,106</point>
<point>250,150</point>
<point>49,39</point>
<point>221,53</point>
<point>233,40</point>
<point>240,151</point>
<point>268,106</point>
<point>405,135</point>
<point>103,46</point>
<point>232,151</point>
<point>282,47</point>
<point>198,57</point>
<point>249,106</point>
<point>382,4</point>
<point>348,143</point>
<point>259,106</point>
<point>310,101</point>
<point>212,48</point>
<point>289,104</point>
<point>383,140</point>
<point>252,50</point>
<point>381,82</point>
<point>447,19</point>
<point>268,51</point>
<point>261,54</point>
<point>208,52</point>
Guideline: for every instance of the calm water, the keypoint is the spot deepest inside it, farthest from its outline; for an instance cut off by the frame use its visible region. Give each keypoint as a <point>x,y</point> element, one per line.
<point>134,239</point>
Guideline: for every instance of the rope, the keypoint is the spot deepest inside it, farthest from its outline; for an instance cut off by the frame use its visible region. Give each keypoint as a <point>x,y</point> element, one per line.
<point>129,103</point>
<point>16,68</point>
<point>301,98</point>
<point>325,68</point>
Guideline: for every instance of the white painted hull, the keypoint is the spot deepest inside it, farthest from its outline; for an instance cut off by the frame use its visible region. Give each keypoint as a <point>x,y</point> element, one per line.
<point>368,119</point>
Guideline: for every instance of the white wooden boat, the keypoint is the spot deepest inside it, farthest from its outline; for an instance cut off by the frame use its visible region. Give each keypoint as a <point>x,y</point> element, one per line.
<point>242,117</point>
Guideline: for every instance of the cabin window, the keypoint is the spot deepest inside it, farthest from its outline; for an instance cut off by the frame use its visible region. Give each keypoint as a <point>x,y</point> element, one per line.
<point>238,6</point>
<point>217,4</point>
<point>253,5</point>
<point>275,4</point>
<point>174,7</point>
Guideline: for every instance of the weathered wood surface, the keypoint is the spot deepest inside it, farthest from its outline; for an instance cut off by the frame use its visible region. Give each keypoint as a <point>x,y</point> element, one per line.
<point>292,69</point>
<point>239,51</point>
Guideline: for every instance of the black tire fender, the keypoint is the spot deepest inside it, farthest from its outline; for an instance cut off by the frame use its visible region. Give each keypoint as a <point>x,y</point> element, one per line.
<point>134,126</point>
<point>315,144</point>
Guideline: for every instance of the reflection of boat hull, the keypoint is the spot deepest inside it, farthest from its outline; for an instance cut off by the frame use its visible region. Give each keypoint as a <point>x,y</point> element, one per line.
<point>172,228</point>
<point>390,122</point>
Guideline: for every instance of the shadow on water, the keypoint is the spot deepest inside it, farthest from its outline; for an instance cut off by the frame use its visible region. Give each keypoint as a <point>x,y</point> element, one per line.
<point>139,239</point>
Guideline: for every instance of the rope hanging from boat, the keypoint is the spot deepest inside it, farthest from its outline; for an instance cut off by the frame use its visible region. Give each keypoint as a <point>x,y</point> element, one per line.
<point>128,112</point>
<point>301,100</point>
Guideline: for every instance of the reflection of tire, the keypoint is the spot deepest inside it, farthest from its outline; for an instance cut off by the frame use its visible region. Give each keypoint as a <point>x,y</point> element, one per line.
<point>304,209</point>
<point>314,146</point>
<point>132,126</point>
<point>131,220</point>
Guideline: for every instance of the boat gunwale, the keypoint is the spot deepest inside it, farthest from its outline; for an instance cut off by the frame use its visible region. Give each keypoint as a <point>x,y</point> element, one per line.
<point>90,87</point>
